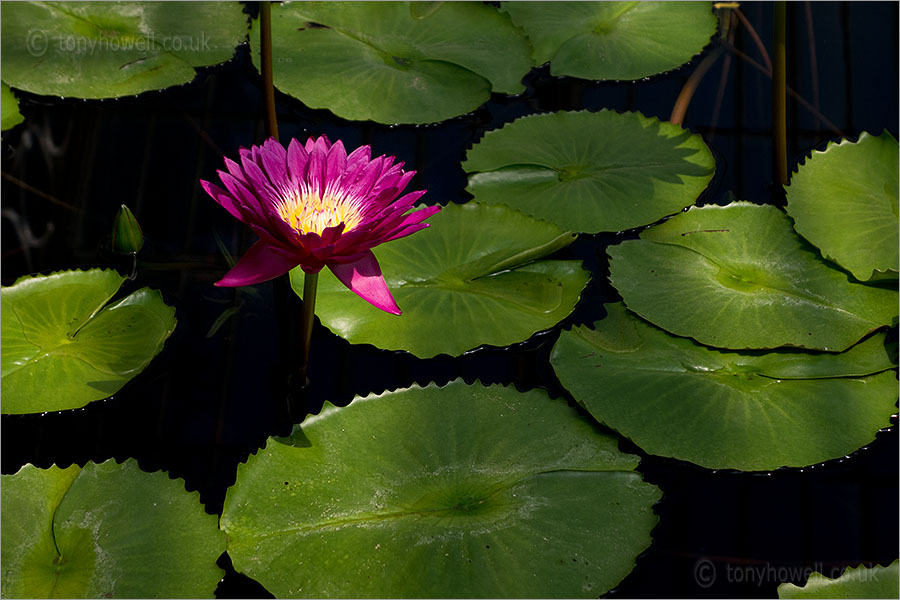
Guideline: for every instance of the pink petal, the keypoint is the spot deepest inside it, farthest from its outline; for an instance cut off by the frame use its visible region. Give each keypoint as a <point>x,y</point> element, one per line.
<point>274,147</point>
<point>321,145</point>
<point>331,234</point>
<point>274,160</point>
<point>335,165</point>
<point>246,199</point>
<point>364,279</point>
<point>367,178</point>
<point>404,231</point>
<point>397,224</point>
<point>260,183</point>
<point>224,198</point>
<point>388,165</point>
<point>384,207</point>
<point>236,171</point>
<point>359,158</point>
<point>262,262</point>
<point>297,157</point>
<point>404,180</point>
<point>315,173</point>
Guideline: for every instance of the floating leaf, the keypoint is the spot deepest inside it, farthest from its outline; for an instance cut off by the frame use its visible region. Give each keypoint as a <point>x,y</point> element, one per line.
<point>855,582</point>
<point>461,491</point>
<point>614,40</point>
<point>590,172</point>
<point>469,279</point>
<point>739,277</point>
<point>105,531</point>
<point>62,348</point>
<point>394,62</point>
<point>9,109</point>
<point>111,49</point>
<point>751,411</point>
<point>844,201</point>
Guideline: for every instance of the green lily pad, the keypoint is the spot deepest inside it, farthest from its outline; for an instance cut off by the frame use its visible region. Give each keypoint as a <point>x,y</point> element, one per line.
<point>393,62</point>
<point>105,531</point>
<point>739,277</point>
<point>751,411</point>
<point>112,49</point>
<point>855,582</point>
<point>461,491</point>
<point>590,172</point>
<point>63,346</point>
<point>844,201</point>
<point>614,40</point>
<point>473,277</point>
<point>9,109</point>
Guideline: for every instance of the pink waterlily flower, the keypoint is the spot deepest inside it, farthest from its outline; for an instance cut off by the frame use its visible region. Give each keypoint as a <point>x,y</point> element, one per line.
<point>315,206</point>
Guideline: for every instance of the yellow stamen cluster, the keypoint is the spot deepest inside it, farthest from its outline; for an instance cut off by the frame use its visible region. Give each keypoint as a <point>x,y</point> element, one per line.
<point>307,213</point>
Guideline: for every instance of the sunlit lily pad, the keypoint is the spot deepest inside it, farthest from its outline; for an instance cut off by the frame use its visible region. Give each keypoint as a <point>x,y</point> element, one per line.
<point>454,492</point>
<point>844,201</point>
<point>590,172</point>
<point>106,531</point>
<point>473,277</point>
<point>111,49</point>
<point>9,109</point>
<point>739,277</point>
<point>63,346</point>
<point>751,411</point>
<point>614,40</point>
<point>855,582</point>
<point>393,62</point>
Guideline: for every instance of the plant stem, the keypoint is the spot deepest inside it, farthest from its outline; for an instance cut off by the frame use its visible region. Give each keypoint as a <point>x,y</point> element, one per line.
<point>779,95</point>
<point>310,283</point>
<point>307,312</point>
<point>265,53</point>
<point>690,86</point>
<point>834,128</point>
<point>38,192</point>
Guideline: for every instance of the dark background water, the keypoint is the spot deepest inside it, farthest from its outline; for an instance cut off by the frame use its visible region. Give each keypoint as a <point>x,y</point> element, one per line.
<point>208,401</point>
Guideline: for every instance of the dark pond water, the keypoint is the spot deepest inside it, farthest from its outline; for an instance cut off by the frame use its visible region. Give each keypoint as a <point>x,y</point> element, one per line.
<point>208,401</point>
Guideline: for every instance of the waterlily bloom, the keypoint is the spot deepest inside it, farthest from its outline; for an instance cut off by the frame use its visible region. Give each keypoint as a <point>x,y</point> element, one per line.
<point>315,206</point>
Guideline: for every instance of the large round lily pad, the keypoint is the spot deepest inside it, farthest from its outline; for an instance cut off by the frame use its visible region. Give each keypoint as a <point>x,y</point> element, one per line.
<point>855,582</point>
<point>111,49</point>
<point>590,172</point>
<point>473,277</point>
<point>844,201</point>
<point>750,411</point>
<point>614,40</point>
<point>392,62</point>
<point>739,277</point>
<point>106,531</point>
<point>63,345</point>
<point>9,109</point>
<point>461,491</point>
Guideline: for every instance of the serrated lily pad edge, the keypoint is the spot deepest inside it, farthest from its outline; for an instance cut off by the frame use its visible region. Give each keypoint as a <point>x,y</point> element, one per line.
<point>109,302</point>
<point>877,274</point>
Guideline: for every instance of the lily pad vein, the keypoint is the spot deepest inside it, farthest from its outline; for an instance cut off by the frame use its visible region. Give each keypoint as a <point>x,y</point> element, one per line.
<point>806,298</point>
<point>334,524</point>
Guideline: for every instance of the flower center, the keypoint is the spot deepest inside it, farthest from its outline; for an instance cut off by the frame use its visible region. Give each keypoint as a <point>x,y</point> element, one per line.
<point>307,213</point>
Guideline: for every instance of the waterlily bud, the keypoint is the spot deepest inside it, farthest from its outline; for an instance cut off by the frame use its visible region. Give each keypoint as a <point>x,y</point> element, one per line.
<point>127,237</point>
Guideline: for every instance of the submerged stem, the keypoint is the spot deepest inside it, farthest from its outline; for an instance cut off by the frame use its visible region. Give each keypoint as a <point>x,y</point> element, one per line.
<point>265,54</point>
<point>690,86</point>
<point>310,283</point>
<point>779,95</point>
